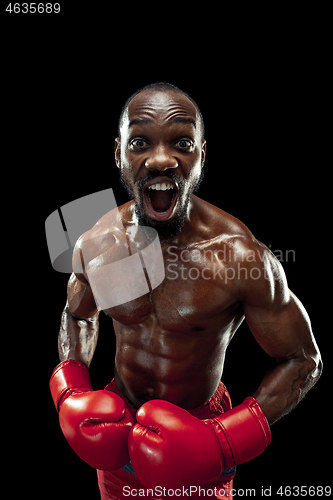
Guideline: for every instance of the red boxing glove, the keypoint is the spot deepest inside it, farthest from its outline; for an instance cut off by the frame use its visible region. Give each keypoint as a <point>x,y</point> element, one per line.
<point>171,448</point>
<point>96,424</point>
<point>243,432</point>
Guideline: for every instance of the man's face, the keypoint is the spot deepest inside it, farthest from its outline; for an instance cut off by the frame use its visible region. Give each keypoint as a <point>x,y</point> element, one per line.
<point>160,156</point>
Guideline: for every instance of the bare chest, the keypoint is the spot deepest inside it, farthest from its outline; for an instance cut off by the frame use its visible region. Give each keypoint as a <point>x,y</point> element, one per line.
<point>195,295</point>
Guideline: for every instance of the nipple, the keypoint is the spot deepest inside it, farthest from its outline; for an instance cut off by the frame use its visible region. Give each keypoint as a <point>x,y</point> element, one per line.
<point>150,394</point>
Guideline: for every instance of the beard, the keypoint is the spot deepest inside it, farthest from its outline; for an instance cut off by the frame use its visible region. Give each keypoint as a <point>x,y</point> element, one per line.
<point>167,230</point>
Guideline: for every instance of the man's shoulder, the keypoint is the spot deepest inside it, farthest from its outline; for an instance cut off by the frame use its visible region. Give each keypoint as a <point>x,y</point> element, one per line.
<point>248,263</point>
<point>232,233</point>
<point>105,239</point>
<point>218,222</point>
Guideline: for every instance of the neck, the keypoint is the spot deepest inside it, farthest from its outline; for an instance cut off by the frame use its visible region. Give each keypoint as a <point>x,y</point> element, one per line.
<point>129,217</point>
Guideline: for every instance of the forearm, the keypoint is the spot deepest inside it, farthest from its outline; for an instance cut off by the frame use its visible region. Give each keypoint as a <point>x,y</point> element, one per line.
<point>77,337</point>
<point>286,384</point>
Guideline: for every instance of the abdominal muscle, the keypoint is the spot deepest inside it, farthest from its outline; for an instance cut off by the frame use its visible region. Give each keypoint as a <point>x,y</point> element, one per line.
<point>184,369</point>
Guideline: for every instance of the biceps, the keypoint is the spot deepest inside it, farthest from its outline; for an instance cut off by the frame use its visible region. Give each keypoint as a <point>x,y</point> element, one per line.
<point>81,302</point>
<point>283,332</point>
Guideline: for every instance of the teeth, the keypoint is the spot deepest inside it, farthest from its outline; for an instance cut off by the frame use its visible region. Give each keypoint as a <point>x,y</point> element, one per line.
<point>161,187</point>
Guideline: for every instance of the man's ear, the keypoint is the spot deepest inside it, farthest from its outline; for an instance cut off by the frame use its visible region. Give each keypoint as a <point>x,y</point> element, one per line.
<point>203,153</point>
<point>117,151</point>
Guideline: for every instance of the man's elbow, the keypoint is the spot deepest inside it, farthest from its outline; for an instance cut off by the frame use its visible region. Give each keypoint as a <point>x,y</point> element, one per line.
<point>318,367</point>
<point>313,368</point>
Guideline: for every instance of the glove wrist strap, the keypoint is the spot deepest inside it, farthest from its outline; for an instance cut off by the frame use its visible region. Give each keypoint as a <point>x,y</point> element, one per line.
<point>243,432</point>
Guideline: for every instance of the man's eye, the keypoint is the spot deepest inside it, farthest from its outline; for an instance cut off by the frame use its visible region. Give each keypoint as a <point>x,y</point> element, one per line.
<point>183,143</point>
<point>138,143</point>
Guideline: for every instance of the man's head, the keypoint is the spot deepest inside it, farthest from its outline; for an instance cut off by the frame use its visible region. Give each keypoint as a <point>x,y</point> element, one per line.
<point>160,152</point>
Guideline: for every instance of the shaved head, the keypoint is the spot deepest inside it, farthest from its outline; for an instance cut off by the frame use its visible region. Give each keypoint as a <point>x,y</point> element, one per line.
<point>163,88</point>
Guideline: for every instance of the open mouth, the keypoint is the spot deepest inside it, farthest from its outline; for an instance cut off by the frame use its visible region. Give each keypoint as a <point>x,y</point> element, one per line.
<point>161,195</point>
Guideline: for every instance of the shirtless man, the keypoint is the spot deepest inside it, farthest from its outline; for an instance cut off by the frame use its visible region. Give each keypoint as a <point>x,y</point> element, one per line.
<point>171,342</point>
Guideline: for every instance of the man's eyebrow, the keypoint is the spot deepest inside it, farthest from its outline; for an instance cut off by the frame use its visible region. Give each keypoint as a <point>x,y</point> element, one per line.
<point>182,119</point>
<point>140,121</point>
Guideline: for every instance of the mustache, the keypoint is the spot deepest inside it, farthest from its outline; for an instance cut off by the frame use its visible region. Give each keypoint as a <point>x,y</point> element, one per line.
<point>140,184</point>
<point>156,173</point>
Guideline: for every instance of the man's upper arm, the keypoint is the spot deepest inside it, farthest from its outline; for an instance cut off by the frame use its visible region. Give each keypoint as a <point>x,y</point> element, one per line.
<point>275,316</point>
<point>81,302</point>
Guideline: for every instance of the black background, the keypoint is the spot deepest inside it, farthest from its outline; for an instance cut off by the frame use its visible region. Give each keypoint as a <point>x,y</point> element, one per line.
<point>265,111</point>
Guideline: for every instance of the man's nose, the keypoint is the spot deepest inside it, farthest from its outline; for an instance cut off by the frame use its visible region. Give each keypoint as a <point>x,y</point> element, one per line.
<point>161,160</point>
